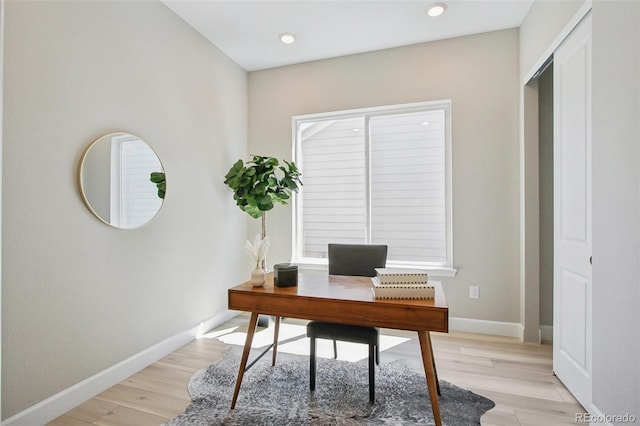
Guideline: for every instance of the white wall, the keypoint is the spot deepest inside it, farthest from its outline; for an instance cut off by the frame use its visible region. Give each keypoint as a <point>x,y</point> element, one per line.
<point>1,143</point>
<point>616,207</point>
<point>480,75</point>
<point>77,295</point>
<point>543,23</point>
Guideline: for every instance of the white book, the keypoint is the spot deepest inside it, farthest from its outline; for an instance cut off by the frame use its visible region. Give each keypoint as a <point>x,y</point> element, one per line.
<point>402,291</point>
<point>401,276</point>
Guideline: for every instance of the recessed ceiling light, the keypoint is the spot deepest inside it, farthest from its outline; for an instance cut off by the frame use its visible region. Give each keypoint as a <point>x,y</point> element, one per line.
<point>287,38</point>
<point>436,9</point>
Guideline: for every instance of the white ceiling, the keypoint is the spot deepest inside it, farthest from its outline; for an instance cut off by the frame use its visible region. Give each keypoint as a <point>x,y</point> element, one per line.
<point>248,30</point>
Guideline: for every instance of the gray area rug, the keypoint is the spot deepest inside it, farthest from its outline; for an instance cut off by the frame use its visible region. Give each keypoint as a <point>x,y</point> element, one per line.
<point>280,395</point>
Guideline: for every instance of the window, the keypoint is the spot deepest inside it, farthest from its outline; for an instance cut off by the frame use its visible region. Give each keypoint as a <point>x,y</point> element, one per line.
<point>379,176</point>
<point>133,196</point>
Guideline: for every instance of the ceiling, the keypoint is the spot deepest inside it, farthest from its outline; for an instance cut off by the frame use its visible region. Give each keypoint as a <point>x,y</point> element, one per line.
<point>248,30</point>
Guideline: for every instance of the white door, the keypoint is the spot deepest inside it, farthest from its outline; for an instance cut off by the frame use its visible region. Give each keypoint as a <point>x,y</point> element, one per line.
<point>572,213</point>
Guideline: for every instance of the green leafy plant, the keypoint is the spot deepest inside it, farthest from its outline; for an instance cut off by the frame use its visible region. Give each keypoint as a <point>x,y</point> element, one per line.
<point>159,179</point>
<point>261,183</point>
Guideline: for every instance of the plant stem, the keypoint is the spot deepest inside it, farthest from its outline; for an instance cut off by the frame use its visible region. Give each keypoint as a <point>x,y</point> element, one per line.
<point>264,234</point>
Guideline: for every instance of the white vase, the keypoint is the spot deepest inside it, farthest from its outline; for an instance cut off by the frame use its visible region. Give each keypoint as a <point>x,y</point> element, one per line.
<point>258,276</point>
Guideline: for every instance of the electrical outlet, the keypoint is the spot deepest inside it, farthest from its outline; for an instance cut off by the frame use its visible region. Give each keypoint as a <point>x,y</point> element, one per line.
<point>474,292</point>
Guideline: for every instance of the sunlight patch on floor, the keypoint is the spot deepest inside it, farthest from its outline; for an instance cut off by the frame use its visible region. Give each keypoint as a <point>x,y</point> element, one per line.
<point>293,340</point>
<point>217,333</point>
<point>264,337</point>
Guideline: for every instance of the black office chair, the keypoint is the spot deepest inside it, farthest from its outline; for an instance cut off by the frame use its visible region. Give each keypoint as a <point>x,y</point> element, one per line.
<point>358,260</point>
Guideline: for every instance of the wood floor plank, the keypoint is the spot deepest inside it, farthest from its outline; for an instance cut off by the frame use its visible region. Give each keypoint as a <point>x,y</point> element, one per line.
<point>144,400</point>
<point>536,406</point>
<point>517,377</point>
<point>537,419</point>
<point>170,386</point>
<point>124,416</point>
<point>88,412</point>
<point>68,421</point>
<point>171,371</point>
<point>500,416</point>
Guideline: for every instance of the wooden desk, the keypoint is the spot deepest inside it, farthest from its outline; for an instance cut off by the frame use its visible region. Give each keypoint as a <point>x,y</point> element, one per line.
<point>347,300</point>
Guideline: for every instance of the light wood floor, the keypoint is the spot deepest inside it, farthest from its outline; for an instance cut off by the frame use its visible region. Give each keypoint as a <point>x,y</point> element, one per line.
<point>516,376</point>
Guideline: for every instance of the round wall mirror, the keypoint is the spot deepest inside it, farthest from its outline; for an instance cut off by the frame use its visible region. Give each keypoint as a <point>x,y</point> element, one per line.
<point>122,180</point>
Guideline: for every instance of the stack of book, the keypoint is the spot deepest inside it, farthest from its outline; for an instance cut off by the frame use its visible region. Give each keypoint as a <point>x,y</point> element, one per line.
<point>390,283</point>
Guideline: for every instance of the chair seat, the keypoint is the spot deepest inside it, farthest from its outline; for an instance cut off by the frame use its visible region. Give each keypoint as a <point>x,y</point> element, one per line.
<point>351,333</point>
<point>344,332</point>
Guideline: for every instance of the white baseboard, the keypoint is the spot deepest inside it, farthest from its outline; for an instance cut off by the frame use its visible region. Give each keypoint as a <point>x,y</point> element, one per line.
<point>597,417</point>
<point>496,328</point>
<point>56,405</point>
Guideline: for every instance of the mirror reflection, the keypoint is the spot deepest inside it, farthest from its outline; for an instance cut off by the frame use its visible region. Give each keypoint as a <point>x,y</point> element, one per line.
<point>122,180</point>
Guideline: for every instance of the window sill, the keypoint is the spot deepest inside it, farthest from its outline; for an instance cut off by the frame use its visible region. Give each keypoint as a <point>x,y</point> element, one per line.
<point>321,265</point>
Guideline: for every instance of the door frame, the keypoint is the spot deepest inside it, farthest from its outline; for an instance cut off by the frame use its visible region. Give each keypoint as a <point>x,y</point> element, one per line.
<point>529,187</point>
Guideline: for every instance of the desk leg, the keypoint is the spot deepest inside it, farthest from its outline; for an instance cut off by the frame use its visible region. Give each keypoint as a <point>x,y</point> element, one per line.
<point>276,331</point>
<point>245,356</point>
<point>435,369</point>
<point>427,362</point>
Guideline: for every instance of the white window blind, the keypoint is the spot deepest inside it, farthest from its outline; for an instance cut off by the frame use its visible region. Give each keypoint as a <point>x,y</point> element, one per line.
<point>134,197</point>
<point>408,185</point>
<point>334,196</point>
<point>380,176</point>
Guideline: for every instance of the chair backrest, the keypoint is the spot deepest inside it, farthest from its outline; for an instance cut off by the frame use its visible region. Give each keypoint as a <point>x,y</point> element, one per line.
<point>356,259</point>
